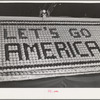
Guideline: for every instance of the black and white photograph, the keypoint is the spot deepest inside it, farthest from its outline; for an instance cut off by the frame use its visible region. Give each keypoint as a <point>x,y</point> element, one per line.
<point>50,45</point>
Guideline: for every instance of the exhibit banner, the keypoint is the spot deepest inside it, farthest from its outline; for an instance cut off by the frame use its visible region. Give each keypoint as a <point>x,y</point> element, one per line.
<point>35,47</point>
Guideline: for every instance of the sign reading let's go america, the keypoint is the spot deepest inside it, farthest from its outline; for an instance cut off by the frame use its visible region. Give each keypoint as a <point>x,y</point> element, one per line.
<point>49,44</point>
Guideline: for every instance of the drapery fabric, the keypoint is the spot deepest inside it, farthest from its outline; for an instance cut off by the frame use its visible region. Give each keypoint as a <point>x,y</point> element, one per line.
<point>58,82</point>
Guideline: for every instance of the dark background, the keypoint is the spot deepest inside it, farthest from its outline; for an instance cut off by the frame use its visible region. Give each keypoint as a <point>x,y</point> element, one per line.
<point>61,9</point>
<point>66,10</point>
